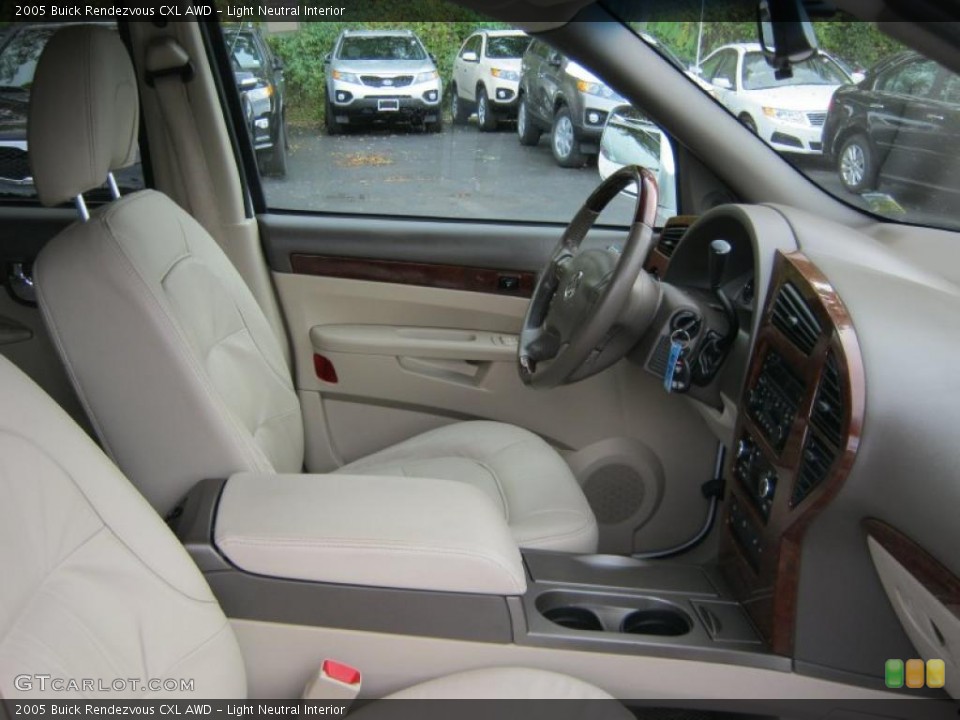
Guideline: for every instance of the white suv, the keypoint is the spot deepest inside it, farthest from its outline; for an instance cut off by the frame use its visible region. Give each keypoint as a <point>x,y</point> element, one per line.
<point>486,74</point>
<point>381,76</point>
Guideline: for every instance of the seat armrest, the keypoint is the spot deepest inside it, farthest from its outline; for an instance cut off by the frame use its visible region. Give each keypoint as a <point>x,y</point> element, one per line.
<point>395,532</point>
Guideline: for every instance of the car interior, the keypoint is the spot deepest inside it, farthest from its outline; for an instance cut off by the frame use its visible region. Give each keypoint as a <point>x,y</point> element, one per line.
<point>471,457</point>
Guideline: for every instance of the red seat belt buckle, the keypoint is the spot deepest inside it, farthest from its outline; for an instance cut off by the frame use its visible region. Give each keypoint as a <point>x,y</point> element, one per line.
<point>335,681</point>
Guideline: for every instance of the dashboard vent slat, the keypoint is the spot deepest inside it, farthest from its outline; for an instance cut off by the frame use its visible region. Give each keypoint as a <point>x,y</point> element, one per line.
<point>816,461</point>
<point>828,406</point>
<point>794,318</point>
<point>669,239</point>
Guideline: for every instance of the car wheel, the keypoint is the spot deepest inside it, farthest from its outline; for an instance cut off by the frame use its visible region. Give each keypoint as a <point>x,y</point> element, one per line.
<point>749,123</point>
<point>486,118</point>
<point>564,142</point>
<point>856,164</point>
<point>528,133</point>
<point>277,159</point>
<point>333,127</point>
<point>458,111</point>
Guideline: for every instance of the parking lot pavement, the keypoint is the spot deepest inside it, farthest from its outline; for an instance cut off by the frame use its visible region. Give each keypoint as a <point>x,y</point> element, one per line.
<point>462,173</point>
<point>459,173</point>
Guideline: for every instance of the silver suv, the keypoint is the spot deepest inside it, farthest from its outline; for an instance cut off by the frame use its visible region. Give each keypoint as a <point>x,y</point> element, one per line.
<point>381,76</point>
<point>561,97</point>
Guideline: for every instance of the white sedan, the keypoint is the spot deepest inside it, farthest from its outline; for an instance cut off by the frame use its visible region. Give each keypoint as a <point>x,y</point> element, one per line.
<point>788,113</point>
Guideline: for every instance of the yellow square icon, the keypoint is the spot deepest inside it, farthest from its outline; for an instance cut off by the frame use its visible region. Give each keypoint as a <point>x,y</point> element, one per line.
<point>936,674</point>
<point>915,673</point>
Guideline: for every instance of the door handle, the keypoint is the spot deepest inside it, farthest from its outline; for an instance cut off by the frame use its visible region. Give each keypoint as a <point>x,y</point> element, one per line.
<point>935,116</point>
<point>21,283</point>
<point>877,106</point>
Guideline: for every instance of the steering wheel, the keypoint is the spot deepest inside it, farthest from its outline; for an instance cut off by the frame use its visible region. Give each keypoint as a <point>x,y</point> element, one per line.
<point>573,327</point>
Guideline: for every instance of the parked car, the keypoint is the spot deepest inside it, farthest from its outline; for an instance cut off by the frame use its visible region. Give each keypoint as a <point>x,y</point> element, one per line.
<point>901,123</point>
<point>486,77</point>
<point>259,75</point>
<point>788,113</point>
<point>560,96</point>
<point>20,49</point>
<point>382,76</point>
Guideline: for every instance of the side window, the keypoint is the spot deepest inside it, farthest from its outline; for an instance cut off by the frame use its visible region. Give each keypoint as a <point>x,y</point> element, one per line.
<point>472,45</point>
<point>915,79</point>
<point>538,48</point>
<point>709,68</point>
<point>18,62</point>
<point>728,67</point>
<point>368,130</point>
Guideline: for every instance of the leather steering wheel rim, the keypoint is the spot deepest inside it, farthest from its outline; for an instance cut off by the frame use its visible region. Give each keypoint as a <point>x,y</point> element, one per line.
<point>580,295</point>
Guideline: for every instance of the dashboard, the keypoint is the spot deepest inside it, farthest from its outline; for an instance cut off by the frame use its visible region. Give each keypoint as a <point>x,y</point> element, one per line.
<point>797,383</point>
<point>838,523</point>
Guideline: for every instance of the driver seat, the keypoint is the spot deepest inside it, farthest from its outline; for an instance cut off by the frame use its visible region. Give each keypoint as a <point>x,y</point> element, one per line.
<point>174,361</point>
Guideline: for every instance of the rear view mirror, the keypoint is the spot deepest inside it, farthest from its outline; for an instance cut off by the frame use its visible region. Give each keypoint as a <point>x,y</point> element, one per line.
<point>786,35</point>
<point>470,56</point>
<point>630,138</point>
<point>723,83</point>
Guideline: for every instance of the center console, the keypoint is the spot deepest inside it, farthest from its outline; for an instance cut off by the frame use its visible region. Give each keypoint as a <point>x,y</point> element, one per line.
<point>429,558</point>
<point>615,604</point>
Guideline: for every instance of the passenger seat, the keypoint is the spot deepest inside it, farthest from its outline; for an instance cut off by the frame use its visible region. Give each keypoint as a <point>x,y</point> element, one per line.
<point>95,585</point>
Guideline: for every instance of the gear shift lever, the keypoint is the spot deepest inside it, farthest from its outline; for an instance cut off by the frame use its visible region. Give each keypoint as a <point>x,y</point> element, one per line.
<point>719,252</point>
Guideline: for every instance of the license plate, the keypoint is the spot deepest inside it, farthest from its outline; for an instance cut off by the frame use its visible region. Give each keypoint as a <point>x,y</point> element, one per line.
<point>388,105</point>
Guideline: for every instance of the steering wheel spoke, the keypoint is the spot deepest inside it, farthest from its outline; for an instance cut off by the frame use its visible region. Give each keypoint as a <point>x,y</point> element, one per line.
<point>580,294</point>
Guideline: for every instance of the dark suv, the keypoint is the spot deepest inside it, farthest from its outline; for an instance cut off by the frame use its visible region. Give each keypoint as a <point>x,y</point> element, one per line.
<point>901,123</point>
<point>259,75</point>
<point>20,48</point>
<point>558,95</point>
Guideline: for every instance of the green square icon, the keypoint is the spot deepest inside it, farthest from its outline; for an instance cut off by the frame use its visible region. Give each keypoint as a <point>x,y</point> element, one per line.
<point>893,673</point>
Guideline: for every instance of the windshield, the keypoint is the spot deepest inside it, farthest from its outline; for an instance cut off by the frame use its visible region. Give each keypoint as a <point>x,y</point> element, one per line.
<point>382,47</point>
<point>888,144</point>
<point>821,70</point>
<point>507,47</point>
<point>18,61</point>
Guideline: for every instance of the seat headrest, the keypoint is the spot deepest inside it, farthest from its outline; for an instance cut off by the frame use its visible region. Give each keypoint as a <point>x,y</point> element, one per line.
<point>84,112</point>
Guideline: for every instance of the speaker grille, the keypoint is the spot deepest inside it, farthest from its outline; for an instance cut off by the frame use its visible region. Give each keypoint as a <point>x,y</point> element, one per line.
<point>615,493</point>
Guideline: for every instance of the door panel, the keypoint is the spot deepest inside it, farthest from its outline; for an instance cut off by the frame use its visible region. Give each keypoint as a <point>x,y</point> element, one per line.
<point>410,357</point>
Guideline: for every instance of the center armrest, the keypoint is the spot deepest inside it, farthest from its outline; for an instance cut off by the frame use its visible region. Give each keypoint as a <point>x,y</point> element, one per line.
<point>396,532</point>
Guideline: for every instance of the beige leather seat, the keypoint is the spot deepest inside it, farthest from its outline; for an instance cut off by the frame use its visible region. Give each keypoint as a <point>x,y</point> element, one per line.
<point>96,587</point>
<point>174,361</point>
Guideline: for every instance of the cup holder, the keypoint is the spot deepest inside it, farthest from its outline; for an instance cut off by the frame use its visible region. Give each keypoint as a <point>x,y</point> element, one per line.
<point>574,618</point>
<point>660,621</point>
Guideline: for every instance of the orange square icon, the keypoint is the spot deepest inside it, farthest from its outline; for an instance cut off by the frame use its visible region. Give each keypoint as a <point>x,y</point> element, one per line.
<point>936,674</point>
<point>915,673</point>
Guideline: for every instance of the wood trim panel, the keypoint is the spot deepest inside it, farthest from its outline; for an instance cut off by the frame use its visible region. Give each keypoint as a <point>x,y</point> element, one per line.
<point>516,283</point>
<point>769,591</point>
<point>929,572</point>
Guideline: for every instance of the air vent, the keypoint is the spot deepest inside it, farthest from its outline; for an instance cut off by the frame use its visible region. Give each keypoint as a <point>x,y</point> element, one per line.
<point>669,239</point>
<point>815,464</point>
<point>828,408</point>
<point>794,318</point>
